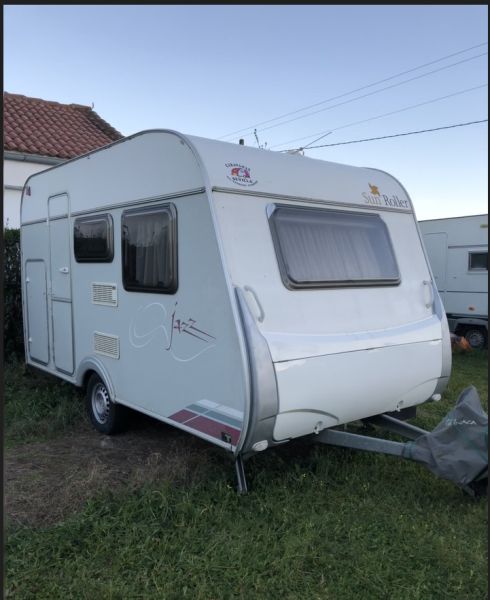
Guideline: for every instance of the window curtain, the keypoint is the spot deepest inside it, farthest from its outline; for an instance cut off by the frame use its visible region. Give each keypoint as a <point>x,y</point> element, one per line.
<point>320,246</point>
<point>148,260</point>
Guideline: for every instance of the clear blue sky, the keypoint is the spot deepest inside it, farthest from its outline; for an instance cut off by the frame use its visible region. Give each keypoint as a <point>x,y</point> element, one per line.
<point>212,70</point>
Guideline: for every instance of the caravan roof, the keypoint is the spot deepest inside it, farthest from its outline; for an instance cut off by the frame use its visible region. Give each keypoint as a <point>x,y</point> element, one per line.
<point>188,162</point>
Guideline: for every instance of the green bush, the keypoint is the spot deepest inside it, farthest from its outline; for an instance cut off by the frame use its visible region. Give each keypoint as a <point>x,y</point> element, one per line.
<point>13,333</point>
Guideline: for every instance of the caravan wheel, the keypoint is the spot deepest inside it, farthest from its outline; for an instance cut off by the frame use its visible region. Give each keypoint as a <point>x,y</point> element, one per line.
<point>106,416</point>
<point>475,337</point>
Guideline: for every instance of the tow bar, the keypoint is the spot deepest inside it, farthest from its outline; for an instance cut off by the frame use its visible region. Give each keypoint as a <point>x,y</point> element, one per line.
<point>456,450</point>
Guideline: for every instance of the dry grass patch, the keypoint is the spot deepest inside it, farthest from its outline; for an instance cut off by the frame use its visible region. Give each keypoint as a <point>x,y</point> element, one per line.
<point>47,481</point>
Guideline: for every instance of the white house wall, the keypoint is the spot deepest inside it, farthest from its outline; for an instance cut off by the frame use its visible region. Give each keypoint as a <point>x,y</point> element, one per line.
<point>15,173</point>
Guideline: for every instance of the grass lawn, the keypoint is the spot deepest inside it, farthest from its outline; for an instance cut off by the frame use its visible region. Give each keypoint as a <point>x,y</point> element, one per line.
<point>319,522</point>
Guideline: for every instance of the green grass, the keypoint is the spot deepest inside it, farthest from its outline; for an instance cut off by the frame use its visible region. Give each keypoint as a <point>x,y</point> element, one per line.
<point>319,522</point>
<point>469,368</point>
<point>38,406</point>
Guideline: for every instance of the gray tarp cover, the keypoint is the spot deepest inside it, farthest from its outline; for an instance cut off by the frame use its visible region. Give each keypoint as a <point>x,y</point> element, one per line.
<point>457,449</point>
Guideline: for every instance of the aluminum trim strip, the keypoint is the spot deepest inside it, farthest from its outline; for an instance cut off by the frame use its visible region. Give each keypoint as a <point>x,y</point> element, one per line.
<point>160,198</point>
<point>282,197</point>
<point>34,222</point>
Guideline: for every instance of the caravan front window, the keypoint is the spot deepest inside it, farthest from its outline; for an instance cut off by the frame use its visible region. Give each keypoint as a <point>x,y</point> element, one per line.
<point>319,248</point>
<point>149,249</point>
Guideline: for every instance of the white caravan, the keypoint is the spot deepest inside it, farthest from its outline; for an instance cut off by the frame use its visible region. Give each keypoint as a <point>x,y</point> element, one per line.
<point>246,296</point>
<point>458,254</point>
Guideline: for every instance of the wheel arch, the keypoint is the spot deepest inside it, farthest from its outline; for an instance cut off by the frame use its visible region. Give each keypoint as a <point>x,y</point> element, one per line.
<point>92,364</point>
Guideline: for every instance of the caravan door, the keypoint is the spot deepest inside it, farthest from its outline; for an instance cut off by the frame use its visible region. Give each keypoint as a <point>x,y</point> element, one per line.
<point>37,311</point>
<point>60,269</point>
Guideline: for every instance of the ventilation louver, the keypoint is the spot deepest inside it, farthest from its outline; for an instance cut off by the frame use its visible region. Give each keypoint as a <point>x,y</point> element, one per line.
<point>104,293</point>
<point>106,344</point>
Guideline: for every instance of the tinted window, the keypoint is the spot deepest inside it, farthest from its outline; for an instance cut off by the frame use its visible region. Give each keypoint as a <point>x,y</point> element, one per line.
<point>93,239</point>
<point>478,261</point>
<point>149,249</point>
<point>326,248</point>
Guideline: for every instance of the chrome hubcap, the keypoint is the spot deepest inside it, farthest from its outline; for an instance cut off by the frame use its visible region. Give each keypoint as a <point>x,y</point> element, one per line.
<point>101,403</point>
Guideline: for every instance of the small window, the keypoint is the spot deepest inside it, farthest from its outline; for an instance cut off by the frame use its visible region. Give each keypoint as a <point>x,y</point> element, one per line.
<point>319,248</point>
<point>93,239</point>
<point>149,249</point>
<point>478,261</point>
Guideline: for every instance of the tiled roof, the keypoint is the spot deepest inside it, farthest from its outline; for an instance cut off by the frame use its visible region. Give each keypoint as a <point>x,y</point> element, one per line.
<point>35,126</point>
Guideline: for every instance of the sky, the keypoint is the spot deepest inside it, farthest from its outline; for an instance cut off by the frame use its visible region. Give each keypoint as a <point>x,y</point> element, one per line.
<point>211,71</point>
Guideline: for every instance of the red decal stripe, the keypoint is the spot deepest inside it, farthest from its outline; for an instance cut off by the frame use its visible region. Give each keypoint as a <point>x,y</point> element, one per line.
<point>214,429</point>
<point>182,416</point>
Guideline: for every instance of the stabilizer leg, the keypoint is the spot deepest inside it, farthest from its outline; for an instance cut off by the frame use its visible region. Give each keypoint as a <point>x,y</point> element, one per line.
<point>240,475</point>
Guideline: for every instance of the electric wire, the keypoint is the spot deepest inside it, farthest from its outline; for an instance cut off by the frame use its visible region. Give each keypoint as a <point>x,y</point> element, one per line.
<point>394,85</point>
<point>394,112</point>
<point>384,137</point>
<point>356,90</point>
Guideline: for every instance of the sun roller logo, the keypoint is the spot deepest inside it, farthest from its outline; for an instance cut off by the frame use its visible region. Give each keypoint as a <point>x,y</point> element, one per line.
<point>375,198</point>
<point>240,174</point>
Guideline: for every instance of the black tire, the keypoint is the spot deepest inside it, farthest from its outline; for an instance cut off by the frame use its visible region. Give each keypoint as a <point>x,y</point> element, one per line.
<point>105,415</point>
<point>476,337</point>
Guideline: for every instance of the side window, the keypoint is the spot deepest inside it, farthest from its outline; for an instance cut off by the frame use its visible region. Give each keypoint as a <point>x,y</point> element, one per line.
<point>478,261</point>
<point>149,249</point>
<point>321,248</point>
<point>93,239</point>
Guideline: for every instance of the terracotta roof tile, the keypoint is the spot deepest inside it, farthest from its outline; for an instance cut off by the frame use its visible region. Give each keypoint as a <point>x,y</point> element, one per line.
<point>36,126</point>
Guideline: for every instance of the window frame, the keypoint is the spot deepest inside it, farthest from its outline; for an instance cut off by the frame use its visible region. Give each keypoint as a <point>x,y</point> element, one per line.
<point>476,269</point>
<point>170,209</point>
<point>293,285</point>
<point>109,257</point>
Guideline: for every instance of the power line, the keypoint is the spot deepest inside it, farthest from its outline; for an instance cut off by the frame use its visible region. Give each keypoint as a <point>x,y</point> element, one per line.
<point>394,112</point>
<point>355,90</point>
<point>384,137</point>
<point>385,114</point>
<point>369,85</point>
<point>394,85</point>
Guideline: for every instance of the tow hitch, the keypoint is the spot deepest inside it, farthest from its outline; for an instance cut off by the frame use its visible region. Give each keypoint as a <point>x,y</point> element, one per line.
<point>456,450</point>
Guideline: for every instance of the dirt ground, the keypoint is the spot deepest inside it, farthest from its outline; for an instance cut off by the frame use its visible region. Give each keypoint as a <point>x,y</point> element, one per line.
<point>47,481</point>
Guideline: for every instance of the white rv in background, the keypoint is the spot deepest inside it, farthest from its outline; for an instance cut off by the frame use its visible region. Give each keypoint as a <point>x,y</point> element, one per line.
<point>245,296</point>
<point>458,254</point>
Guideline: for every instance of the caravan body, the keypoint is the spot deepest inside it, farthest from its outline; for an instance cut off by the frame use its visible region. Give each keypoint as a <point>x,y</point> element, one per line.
<point>246,296</point>
<point>458,253</point>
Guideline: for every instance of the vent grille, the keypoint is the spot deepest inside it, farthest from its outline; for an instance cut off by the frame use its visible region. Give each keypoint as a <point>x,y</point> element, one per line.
<point>104,293</point>
<point>106,344</point>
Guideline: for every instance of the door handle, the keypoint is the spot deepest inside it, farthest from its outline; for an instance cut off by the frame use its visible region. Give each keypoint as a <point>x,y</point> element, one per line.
<point>64,270</point>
